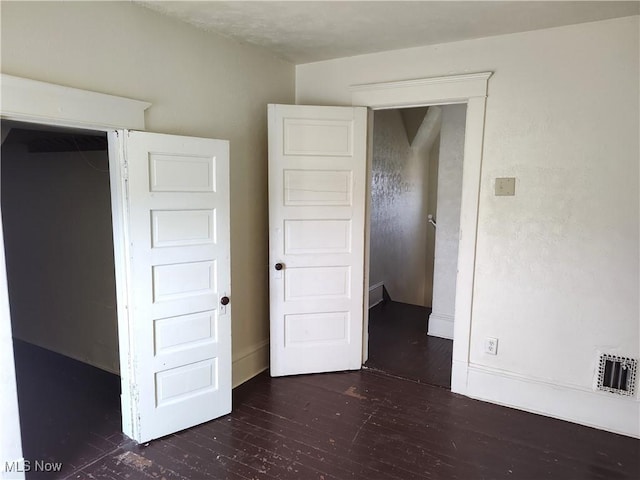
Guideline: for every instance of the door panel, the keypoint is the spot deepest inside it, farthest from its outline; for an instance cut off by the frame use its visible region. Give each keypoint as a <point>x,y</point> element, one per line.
<point>317,236</point>
<point>317,187</point>
<point>179,336</point>
<point>178,228</point>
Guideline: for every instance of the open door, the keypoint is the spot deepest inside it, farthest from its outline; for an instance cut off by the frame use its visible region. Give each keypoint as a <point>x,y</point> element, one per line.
<point>171,239</point>
<point>317,191</point>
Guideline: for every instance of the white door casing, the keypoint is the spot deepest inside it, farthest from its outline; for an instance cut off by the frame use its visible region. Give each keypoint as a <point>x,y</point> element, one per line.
<point>317,191</point>
<point>26,100</point>
<point>471,89</point>
<point>149,413</point>
<point>175,334</point>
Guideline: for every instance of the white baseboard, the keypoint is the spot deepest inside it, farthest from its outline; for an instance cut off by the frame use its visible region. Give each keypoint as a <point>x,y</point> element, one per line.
<point>94,362</point>
<point>376,294</point>
<point>441,325</point>
<point>459,372</point>
<point>600,410</point>
<point>250,362</point>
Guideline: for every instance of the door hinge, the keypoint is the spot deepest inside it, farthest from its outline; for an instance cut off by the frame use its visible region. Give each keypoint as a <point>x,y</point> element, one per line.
<point>125,170</point>
<point>125,179</point>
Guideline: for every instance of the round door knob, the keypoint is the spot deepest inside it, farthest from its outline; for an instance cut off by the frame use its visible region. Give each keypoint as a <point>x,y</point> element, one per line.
<point>279,266</point>
<point>224,300</point>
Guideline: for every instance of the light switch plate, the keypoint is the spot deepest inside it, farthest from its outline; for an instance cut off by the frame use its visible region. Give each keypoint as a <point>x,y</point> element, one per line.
<point>505,186</point>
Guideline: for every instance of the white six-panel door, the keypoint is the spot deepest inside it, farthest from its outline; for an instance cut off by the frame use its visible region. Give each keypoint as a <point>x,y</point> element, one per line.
<point>176,361</point>
<point>317,189</point>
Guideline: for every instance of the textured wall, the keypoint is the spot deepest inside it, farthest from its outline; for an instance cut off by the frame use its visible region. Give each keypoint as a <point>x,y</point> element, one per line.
<point>56,211</point>
<point>448,219</point>
<point>556,271</point>
<point>398,210</point>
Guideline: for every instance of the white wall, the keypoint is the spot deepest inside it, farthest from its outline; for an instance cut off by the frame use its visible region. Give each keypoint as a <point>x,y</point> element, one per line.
<point>556,275</point>
<point>398,210</point>
<point>445,270</point>
<point>200,84</point>
<point>59,250</point>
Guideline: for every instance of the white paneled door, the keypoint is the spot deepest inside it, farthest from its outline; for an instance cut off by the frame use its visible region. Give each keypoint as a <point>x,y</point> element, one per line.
<point>317,191</point>
<point>174,284</point>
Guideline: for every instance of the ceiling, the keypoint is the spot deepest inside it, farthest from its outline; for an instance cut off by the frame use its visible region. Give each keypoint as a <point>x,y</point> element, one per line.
<point>310,31</point>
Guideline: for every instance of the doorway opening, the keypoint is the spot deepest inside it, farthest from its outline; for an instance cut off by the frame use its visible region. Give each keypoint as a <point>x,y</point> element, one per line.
<point>58,240</point>
<point>416,188</point>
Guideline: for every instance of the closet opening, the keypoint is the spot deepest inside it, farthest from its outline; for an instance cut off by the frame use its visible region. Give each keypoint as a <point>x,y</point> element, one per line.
<point>58,237</point>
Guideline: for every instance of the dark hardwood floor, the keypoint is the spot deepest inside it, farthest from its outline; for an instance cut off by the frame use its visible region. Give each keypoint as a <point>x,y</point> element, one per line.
<point>399,345</point>
<point>354,425</point>
<point>69,411</point>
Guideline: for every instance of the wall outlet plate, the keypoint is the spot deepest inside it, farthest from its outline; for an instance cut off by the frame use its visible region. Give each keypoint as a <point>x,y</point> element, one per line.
<point>491,346</point>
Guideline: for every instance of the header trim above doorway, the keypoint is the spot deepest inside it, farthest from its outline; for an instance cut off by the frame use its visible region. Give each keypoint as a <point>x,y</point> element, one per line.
<point>33,101</point>
<point>419,92</point>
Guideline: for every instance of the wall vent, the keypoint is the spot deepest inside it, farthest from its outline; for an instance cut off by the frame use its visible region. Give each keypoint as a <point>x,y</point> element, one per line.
<point>617,374</point>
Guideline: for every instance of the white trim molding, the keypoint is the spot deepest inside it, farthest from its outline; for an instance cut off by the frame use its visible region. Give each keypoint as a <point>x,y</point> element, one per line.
<point>420,92</point>
<point>376,294</point>
<point>26,100</point>
<point>250,361</point>
<point>470,89</point>
<point>10,439</point>
<point>441,325</point>
<point>32,101</point>
<point>613,413</point>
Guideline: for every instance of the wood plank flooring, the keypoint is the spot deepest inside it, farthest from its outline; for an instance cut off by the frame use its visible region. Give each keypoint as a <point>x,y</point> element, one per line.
<point>69,411</point>
<point>354,425</point>
<point>398,344</point>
